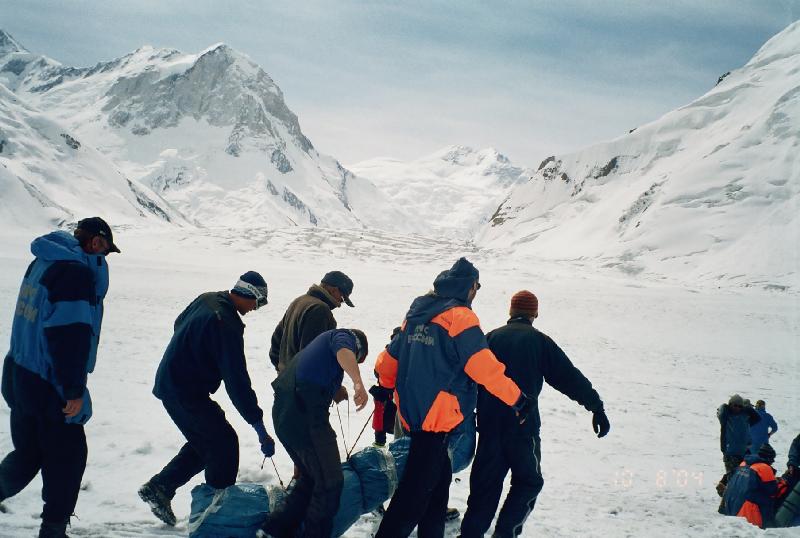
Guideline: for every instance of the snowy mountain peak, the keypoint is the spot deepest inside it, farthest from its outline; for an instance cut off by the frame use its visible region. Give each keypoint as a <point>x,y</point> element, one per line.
<point>8,44</point>
<point>708,189</point>
<point>783,45</point>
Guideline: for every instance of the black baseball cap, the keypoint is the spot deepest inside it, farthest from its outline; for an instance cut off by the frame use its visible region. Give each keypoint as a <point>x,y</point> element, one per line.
<point>97,226</point>
<point>340,280</point>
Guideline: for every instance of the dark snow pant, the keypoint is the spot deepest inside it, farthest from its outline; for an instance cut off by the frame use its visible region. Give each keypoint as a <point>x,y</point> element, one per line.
<point>212,446</point>
<point>42,442</point>
<point>496,455</point>
<point>303,427</point>
<point>421,496</point>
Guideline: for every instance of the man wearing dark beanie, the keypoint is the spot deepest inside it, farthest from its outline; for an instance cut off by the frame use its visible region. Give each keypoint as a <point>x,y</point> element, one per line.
<point>504,444</point>
<point>206,349</point>
<point>432,367</point>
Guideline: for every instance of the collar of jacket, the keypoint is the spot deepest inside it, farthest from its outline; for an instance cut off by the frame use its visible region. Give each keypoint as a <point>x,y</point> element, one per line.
<point>520,319</point>
<point>222,306</point>
<point>320,293</point>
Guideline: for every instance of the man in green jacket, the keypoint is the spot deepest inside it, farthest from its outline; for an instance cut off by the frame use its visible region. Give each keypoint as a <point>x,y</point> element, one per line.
<point>308,316</point>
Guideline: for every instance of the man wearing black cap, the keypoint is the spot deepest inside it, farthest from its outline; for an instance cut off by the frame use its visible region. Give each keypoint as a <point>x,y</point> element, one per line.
<point>206,349</point>
<point>308,316</point>
<point>54,340</point>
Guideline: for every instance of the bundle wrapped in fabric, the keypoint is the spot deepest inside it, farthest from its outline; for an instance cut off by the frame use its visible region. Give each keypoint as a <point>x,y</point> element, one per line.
<point>370,478</point>
<point>234,512</point>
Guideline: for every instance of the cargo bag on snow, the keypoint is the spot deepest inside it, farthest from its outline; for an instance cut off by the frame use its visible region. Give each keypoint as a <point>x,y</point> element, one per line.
<point>370,478</point>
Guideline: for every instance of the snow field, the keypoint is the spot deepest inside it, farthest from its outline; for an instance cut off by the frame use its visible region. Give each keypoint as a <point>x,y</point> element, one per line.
<point>663,357</point>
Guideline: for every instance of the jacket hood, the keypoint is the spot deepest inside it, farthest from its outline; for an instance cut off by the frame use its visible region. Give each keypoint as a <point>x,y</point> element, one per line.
<point>58,246</point>
<point>750,459</point>
<point>456,282</point>
<point>427,307</point>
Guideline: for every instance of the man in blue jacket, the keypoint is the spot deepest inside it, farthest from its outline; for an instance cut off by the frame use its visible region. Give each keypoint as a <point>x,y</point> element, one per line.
<point>206,349</point>
<point>735,419</point>
<point>304,391</point>
<point>54,339</point>
<point>761,431</point>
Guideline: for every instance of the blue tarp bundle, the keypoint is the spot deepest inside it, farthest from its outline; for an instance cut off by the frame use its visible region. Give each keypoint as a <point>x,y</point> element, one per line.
<point>234,512</point>
<point>370,478</point>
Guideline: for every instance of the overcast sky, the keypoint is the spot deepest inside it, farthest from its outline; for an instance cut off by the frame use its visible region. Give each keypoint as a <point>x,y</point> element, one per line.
<point>403,79</point>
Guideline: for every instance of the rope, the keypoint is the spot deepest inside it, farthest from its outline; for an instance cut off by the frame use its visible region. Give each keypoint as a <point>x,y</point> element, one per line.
<point>341,427</point>
<point>359,434</point>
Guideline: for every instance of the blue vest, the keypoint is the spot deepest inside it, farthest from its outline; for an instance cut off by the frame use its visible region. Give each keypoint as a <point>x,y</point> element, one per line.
<point>34,311</point>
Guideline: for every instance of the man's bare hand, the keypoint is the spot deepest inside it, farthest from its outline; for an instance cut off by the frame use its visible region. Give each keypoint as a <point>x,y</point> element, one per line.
<point>73,407</point>
<point>360,397</point>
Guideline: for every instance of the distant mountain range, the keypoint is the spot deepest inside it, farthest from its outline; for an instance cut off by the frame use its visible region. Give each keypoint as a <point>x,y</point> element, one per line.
<point>208,133</point>
<point>160,137</point>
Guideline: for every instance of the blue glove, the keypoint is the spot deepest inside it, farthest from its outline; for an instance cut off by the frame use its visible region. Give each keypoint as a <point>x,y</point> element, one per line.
<point>267,442</point>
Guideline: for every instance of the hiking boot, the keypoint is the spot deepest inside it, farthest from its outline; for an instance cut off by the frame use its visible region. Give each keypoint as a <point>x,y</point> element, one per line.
<point>452,514</point>
<point>50,529</point>
<point>160,504</point>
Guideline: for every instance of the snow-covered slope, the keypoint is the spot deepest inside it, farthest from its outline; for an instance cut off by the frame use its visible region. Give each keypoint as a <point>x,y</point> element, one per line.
<point>48,177</point>
<point>709,190</point>
<point>210,132</point>
<point>454,190</point>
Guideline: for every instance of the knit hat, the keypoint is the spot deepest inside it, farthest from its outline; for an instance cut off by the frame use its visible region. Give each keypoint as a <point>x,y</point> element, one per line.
<point>457,281</point>
<point>524,303</point>
<point>736,400</point>
<point>252,285</point>
<point>766,453</point>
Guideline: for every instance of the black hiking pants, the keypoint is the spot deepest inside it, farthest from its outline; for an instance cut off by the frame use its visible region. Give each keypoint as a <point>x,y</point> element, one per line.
<point>421,496</point>
<point>42,441</point>
<point>212,446</point>
<point>496,455</point>
<point>302,424</point>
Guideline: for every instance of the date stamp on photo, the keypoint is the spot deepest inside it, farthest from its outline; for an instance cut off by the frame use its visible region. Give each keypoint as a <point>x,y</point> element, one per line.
<point>661,479</point>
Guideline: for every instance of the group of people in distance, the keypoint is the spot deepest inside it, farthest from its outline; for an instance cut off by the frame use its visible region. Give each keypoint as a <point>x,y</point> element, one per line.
<point>437,370</point>
<point>750,487</point>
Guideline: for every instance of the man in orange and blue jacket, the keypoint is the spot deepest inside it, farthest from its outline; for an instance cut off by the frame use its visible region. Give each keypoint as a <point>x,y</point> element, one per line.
<point>753,488</point>
<point>433,365</point>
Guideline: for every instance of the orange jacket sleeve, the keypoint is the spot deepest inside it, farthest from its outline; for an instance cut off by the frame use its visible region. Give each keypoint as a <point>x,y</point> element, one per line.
<point>386,368</point>
<point>484,368</point>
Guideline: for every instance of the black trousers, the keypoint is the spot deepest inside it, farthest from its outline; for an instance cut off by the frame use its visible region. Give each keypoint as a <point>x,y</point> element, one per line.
<point>421,496</point>
<point>495,456</point>
<point>42,442</point>
<point>212,446</point>
<point>303,428</point>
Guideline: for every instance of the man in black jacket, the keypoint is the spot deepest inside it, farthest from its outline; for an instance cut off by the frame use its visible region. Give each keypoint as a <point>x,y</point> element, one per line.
<point>206,349</point>
<point>504,444</point>
<point>308,316</point>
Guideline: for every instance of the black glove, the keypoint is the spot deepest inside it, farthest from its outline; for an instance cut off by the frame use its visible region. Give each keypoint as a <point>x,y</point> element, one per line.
<point>381,394</point>
<point>267,446</point>
<point>524,407</point>
<point>600,423</point>
<point>389,415</point>
<point>267,442</point>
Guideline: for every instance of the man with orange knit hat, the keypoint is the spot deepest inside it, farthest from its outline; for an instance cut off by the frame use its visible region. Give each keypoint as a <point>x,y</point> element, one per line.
<point>504,444</point>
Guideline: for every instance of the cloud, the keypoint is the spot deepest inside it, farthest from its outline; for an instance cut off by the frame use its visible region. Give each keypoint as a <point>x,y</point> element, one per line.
<point>403,79</point>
